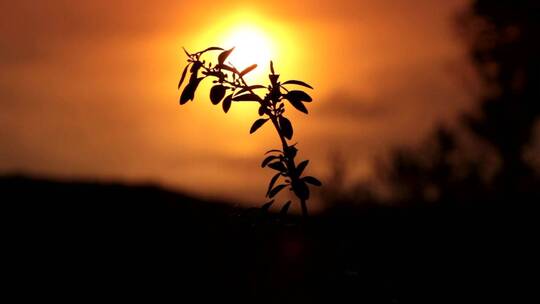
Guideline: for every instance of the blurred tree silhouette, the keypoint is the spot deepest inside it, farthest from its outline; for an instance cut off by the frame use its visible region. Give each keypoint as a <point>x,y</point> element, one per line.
<point>502,40</point>
<point>504,47</point>
<point>434,172</point>
<point>424,174</point>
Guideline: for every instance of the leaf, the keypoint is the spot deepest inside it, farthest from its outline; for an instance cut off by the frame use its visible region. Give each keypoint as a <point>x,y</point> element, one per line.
<point>185,51</point>
<point>223,56</point>
<point>298,82</point>
<point>227,103</point>
<point>216,93</point>
<point>272,183</point>
<point>261,110</point>
<point>213,48</point>
<point>247,97</point>
<point>286,127</point>
<point>257,124</point>
<point>299,95</point>
<point>312,180</point>
<point>276,190</point>
<point>183,76</point>
<point>298,105</point>
<point>301,190</point>
<point>268,159</point>
<point>279,166</point>
<point>285,209</point>
<point>250,88</point>
<point>301,166</point>
<point>189,91</point>
<point>272,67</point>
<point>226,67</point>
<point>296,101</point>
<point>267,206</point>
<point>274,150</point>
<point>248,69</point>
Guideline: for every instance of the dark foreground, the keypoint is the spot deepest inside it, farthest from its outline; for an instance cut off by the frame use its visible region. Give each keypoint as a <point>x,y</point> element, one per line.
<point>80,241</point>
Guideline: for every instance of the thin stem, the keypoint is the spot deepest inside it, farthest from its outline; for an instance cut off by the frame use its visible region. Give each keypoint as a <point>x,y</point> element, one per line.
<point>290,162</point>
<point>291,166</point>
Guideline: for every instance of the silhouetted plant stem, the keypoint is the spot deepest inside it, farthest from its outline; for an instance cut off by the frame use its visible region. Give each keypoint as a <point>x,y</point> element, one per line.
<point>285,145</point>
<point>271,108</point>
<point>292,164</point>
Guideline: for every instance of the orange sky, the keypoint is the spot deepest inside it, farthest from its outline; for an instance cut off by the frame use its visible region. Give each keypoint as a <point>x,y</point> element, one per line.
<point>88,89</point>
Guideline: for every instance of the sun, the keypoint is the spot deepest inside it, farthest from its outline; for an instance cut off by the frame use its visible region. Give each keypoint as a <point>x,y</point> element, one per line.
<point>257,39</point>
<point>252,46</point>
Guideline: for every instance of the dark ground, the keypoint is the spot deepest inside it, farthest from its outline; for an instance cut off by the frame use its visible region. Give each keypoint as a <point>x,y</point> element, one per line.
<point>77,241</point>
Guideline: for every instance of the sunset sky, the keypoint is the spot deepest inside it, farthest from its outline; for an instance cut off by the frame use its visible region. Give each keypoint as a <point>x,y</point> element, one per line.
<point>88,88</point>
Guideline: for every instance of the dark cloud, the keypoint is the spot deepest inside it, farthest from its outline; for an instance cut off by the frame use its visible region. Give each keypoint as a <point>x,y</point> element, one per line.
<point>344,105</point>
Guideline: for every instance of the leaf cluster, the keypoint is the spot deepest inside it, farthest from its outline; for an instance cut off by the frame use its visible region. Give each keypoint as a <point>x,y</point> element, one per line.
<point>230,87</point>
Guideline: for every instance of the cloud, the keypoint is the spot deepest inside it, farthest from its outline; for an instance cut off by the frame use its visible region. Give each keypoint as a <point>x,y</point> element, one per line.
<point>344,105</point>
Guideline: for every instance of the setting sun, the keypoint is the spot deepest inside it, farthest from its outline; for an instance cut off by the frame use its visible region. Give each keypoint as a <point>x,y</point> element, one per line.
<point>252,46</point>
<point>257,39</point>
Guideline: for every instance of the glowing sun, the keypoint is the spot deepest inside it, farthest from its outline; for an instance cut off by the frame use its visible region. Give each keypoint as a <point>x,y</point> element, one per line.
<point>252,46</point>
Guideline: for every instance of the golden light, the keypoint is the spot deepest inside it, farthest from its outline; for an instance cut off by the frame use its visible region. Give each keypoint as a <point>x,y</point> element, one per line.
<point>257,39</point>
<point>252,46</point>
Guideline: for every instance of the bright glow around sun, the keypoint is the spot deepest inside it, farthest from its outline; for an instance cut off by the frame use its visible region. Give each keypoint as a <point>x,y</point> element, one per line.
<point>252,46</point>
<point>257,39</point>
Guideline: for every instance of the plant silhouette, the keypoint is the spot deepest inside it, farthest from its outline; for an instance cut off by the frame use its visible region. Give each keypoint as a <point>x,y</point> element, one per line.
<point>271,108</point>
